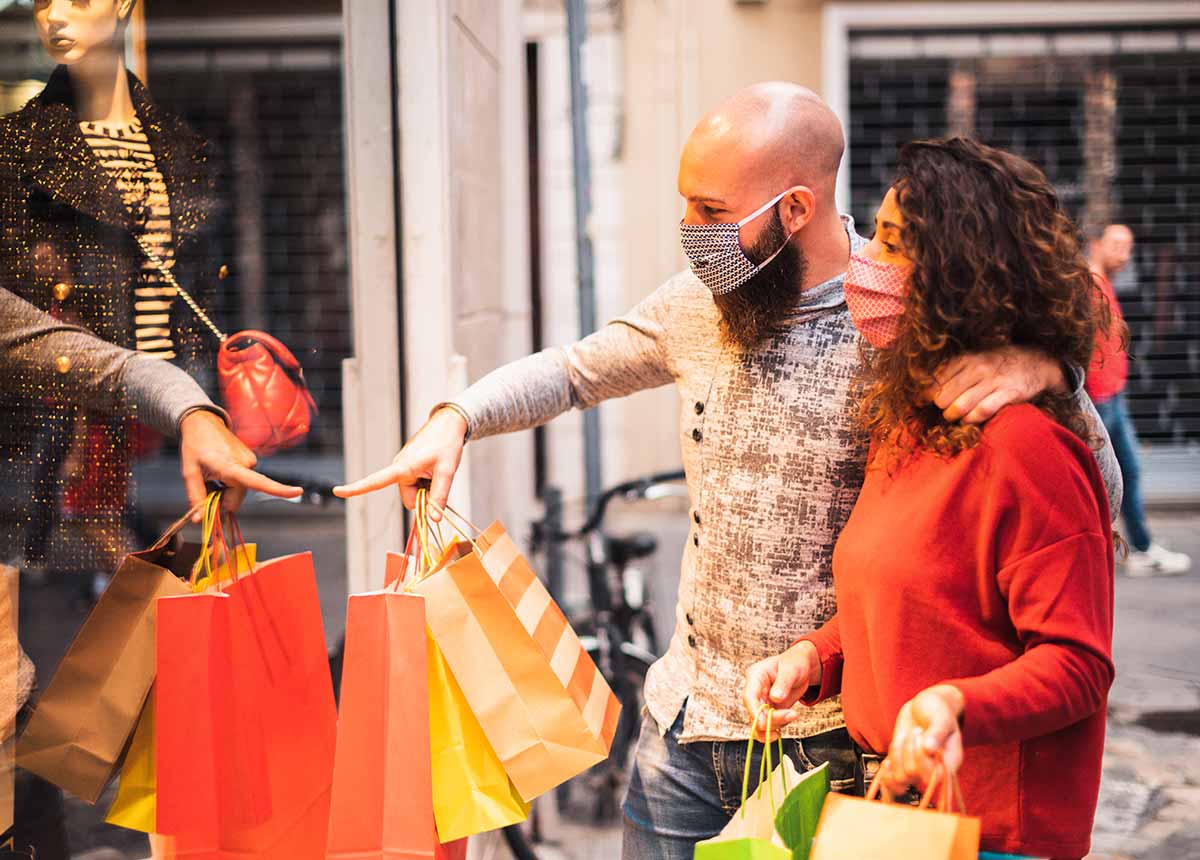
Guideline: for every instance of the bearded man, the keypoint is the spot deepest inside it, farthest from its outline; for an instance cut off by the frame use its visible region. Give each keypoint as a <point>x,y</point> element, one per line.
<point>757,339</point>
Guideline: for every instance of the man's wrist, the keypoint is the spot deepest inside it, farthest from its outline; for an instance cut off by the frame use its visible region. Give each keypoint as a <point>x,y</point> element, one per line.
<point>453,409</point>
<point>202,409</point>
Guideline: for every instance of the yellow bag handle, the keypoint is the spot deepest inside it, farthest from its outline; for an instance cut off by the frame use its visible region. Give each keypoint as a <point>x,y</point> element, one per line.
<point>765,766</point>
<point>212,537</point>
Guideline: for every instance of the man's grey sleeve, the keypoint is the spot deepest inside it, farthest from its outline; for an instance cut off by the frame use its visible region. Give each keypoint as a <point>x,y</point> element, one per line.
<point>41,355</point>
<point>1106,459</point>
<point>625,356</point>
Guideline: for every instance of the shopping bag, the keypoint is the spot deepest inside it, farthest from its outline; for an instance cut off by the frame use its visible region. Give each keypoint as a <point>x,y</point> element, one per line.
<point>134,806</point>
<point>471,790</point>
<point>800,811</point>
<point>542,703</point>
<point>245,723</point>
<point>382,806</point>
<point>751,833</point>
<point>84,719</point>
<point>16,679</point>
<point>854,828</point>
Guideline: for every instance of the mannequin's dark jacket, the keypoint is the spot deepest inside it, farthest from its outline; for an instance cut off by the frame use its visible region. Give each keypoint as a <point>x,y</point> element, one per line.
<point>66,238</point>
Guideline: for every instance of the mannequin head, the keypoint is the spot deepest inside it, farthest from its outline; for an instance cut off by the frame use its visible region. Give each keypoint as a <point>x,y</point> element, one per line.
<point>73,31</point>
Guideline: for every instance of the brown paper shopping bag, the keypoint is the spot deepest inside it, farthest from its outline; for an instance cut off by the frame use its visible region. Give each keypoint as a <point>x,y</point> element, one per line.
<point>541,701</point>
<point>84,719</point>
<point>853,828</point>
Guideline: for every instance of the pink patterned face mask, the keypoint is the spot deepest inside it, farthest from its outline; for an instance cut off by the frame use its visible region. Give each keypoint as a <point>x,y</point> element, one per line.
<point>875,294</point>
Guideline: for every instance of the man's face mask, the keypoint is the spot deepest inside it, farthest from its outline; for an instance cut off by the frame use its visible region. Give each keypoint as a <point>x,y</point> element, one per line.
<point>716,255</point>
<point>875,295</point>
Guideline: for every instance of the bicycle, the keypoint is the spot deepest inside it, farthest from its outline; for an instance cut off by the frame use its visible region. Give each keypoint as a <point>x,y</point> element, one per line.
<point>617,630</point>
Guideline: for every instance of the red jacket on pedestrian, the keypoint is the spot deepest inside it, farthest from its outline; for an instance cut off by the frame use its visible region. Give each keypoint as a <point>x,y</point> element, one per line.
<point>991,570</point>
<point>1109,370</point>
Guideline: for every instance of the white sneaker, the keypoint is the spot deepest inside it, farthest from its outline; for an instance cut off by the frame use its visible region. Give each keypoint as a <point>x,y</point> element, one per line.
<point>1157,561</point>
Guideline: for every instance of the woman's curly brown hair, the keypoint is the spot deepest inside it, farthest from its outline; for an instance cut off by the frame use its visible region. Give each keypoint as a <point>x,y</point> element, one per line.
<point>996,261</point>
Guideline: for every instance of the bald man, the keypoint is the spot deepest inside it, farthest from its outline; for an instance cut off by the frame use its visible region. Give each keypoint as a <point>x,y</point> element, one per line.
<point>756,338</point>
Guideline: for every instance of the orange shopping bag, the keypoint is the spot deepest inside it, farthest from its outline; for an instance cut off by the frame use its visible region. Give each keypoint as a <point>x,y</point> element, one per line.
<point>853,828</point>
<point>382,806</point>
<point>542,703</point>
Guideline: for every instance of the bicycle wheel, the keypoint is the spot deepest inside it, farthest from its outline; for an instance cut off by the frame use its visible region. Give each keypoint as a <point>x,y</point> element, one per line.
<point>519,843</point>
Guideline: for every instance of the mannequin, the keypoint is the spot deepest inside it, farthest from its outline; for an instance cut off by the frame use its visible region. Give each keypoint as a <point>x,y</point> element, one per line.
<point>90,171</point>
<point>87,169</point>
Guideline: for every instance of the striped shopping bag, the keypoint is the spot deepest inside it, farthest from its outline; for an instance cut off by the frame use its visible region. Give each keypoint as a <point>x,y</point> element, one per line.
<point>542,703</point>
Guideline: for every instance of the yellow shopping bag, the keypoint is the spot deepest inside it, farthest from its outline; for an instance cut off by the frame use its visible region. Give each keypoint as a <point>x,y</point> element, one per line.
<point>134,807</point>
<point>471,790</point>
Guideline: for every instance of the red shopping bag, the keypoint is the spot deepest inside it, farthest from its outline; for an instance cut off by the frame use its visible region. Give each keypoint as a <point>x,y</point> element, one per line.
<point>246,721</point>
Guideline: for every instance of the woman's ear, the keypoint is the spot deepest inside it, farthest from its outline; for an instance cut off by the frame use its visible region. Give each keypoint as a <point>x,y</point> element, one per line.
<point>125,11</point>
<point>797,208</point>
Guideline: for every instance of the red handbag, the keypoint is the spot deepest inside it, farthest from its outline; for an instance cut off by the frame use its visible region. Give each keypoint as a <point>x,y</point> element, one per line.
<point>262,386</point>
<point>262,383</point>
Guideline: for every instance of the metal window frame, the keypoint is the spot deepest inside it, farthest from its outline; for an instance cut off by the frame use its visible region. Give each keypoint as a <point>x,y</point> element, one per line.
<point>840,20</point>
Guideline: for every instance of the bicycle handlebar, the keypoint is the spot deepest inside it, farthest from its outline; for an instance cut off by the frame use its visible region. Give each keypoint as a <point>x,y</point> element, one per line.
<point>638,486</point>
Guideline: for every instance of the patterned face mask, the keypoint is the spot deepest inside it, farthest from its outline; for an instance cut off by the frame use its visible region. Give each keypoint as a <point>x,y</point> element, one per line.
<point>875,294</point>
<point>716,255</point>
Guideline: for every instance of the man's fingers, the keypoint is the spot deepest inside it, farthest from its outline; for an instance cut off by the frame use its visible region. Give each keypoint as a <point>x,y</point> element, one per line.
<point>232,498</point>
<point>233,475</point>
<point>949,370</point>
<point>439,490</point>
<point>966,401</point>
<point>987,408</point>
<point>375,481</point>
<point>785,683</point>
<point>193,482</point>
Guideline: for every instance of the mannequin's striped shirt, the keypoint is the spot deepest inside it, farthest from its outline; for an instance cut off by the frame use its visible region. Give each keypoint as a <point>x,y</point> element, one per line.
<point>126,154</point>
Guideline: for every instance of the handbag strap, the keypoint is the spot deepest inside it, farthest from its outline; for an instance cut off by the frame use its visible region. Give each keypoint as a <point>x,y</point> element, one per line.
<point>184,294</point>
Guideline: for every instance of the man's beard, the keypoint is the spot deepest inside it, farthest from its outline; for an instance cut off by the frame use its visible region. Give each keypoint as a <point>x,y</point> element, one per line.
<point>750,312</point>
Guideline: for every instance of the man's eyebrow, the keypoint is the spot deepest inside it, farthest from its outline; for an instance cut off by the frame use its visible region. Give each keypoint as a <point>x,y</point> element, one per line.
<point>708,200</point>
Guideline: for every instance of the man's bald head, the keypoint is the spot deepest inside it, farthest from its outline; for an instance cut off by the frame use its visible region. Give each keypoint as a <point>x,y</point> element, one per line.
<point>769,137</point>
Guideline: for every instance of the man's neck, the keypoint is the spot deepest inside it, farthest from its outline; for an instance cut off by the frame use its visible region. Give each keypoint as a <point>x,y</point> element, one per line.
<point>827,248</point>
<point>102,89</point>
<point>1097,269</point>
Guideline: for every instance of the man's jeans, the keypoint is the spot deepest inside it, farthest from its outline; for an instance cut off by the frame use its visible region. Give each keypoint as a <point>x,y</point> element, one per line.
<point>1115,415</point>
<point>680,794</point>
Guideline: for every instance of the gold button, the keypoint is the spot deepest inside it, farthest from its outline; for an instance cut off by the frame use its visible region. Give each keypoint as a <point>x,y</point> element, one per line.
<point>223,272</point>
<point>62,291</point>
<point>63,363</point>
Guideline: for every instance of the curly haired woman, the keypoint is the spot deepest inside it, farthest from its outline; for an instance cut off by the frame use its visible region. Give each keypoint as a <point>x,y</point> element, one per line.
<point>974,577</point>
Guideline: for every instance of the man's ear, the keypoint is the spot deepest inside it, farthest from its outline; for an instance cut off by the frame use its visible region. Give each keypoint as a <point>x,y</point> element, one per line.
<point>797,208</point>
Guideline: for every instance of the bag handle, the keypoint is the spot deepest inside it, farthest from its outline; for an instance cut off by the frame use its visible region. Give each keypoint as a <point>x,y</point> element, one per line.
<point>943,785</point>
<point>213,538</point>
<point>176,527</point>
<point>765,767</point>
<point>184,294</point>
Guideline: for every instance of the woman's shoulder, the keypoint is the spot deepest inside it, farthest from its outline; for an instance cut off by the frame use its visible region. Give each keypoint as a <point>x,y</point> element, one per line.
<point>1032,454</point>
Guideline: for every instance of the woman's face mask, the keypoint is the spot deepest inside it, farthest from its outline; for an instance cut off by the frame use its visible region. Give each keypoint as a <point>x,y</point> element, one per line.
<point>716,255</point>
<point>877,279</point>
<point>875,294</point>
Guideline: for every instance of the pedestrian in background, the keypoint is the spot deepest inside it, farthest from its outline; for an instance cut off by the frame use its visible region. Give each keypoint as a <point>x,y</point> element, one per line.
<point>1109,250</point>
